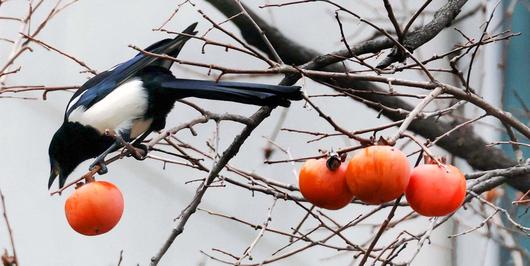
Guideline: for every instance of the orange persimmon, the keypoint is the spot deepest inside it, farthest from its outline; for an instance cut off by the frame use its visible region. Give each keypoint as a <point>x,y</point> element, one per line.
<point>378,174</point>
<point>94,208</point>
<point>436,190</point>
<point>323,186</point>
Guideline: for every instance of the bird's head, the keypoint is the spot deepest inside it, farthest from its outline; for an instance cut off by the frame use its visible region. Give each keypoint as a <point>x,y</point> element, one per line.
<point>71,145</point>
<point>61,163</point>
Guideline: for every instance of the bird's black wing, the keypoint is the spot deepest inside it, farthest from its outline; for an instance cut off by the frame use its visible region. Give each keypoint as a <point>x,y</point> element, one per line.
<point>102,84</point>
<point>90,83</point>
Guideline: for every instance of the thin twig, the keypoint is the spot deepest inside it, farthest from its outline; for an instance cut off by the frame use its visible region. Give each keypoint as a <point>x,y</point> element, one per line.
<point>380,231</point>
<point>260,234</point>
<point>9,230</point>
<point>261,32</point>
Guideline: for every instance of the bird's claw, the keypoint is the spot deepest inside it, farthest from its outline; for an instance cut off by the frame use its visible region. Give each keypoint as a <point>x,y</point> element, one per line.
<point>102,167</point>
<point>140,152</point>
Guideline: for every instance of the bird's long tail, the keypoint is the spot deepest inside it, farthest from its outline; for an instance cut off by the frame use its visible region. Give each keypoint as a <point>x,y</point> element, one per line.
<point>241,92</point>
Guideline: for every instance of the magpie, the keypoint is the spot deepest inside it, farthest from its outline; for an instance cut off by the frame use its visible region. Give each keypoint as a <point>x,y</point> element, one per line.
<point>133,99</point>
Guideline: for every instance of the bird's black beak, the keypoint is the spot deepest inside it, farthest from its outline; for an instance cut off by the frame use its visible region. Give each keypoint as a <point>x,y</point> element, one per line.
<point>55,171</point>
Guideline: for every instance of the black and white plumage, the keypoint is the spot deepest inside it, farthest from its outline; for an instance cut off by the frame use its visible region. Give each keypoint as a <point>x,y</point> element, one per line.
<point>134,99</point>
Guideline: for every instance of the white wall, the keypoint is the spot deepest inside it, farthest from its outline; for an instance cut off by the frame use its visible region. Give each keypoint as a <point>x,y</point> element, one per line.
<point>98,32</point>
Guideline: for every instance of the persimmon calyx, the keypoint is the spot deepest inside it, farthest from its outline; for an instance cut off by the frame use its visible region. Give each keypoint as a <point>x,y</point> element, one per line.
<point>427,159</point>
<point>334,161</point>
<point>384,142</point>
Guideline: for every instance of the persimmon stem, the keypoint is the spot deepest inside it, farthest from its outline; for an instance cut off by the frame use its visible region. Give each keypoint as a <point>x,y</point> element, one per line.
<point>89,179</point>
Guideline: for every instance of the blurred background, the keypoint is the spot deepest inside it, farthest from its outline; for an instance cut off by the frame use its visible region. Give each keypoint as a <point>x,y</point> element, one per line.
<point>98,33</point>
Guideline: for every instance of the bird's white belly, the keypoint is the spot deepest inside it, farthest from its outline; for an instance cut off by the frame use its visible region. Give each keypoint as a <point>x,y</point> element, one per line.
<point>120,110</point>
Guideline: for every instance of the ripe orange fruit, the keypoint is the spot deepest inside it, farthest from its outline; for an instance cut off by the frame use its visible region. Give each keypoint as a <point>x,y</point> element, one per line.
<point>378,174</point>
<point>94,208</point>
<point>324,187</point>
<point>493,194</point>
<point>435,190</point>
